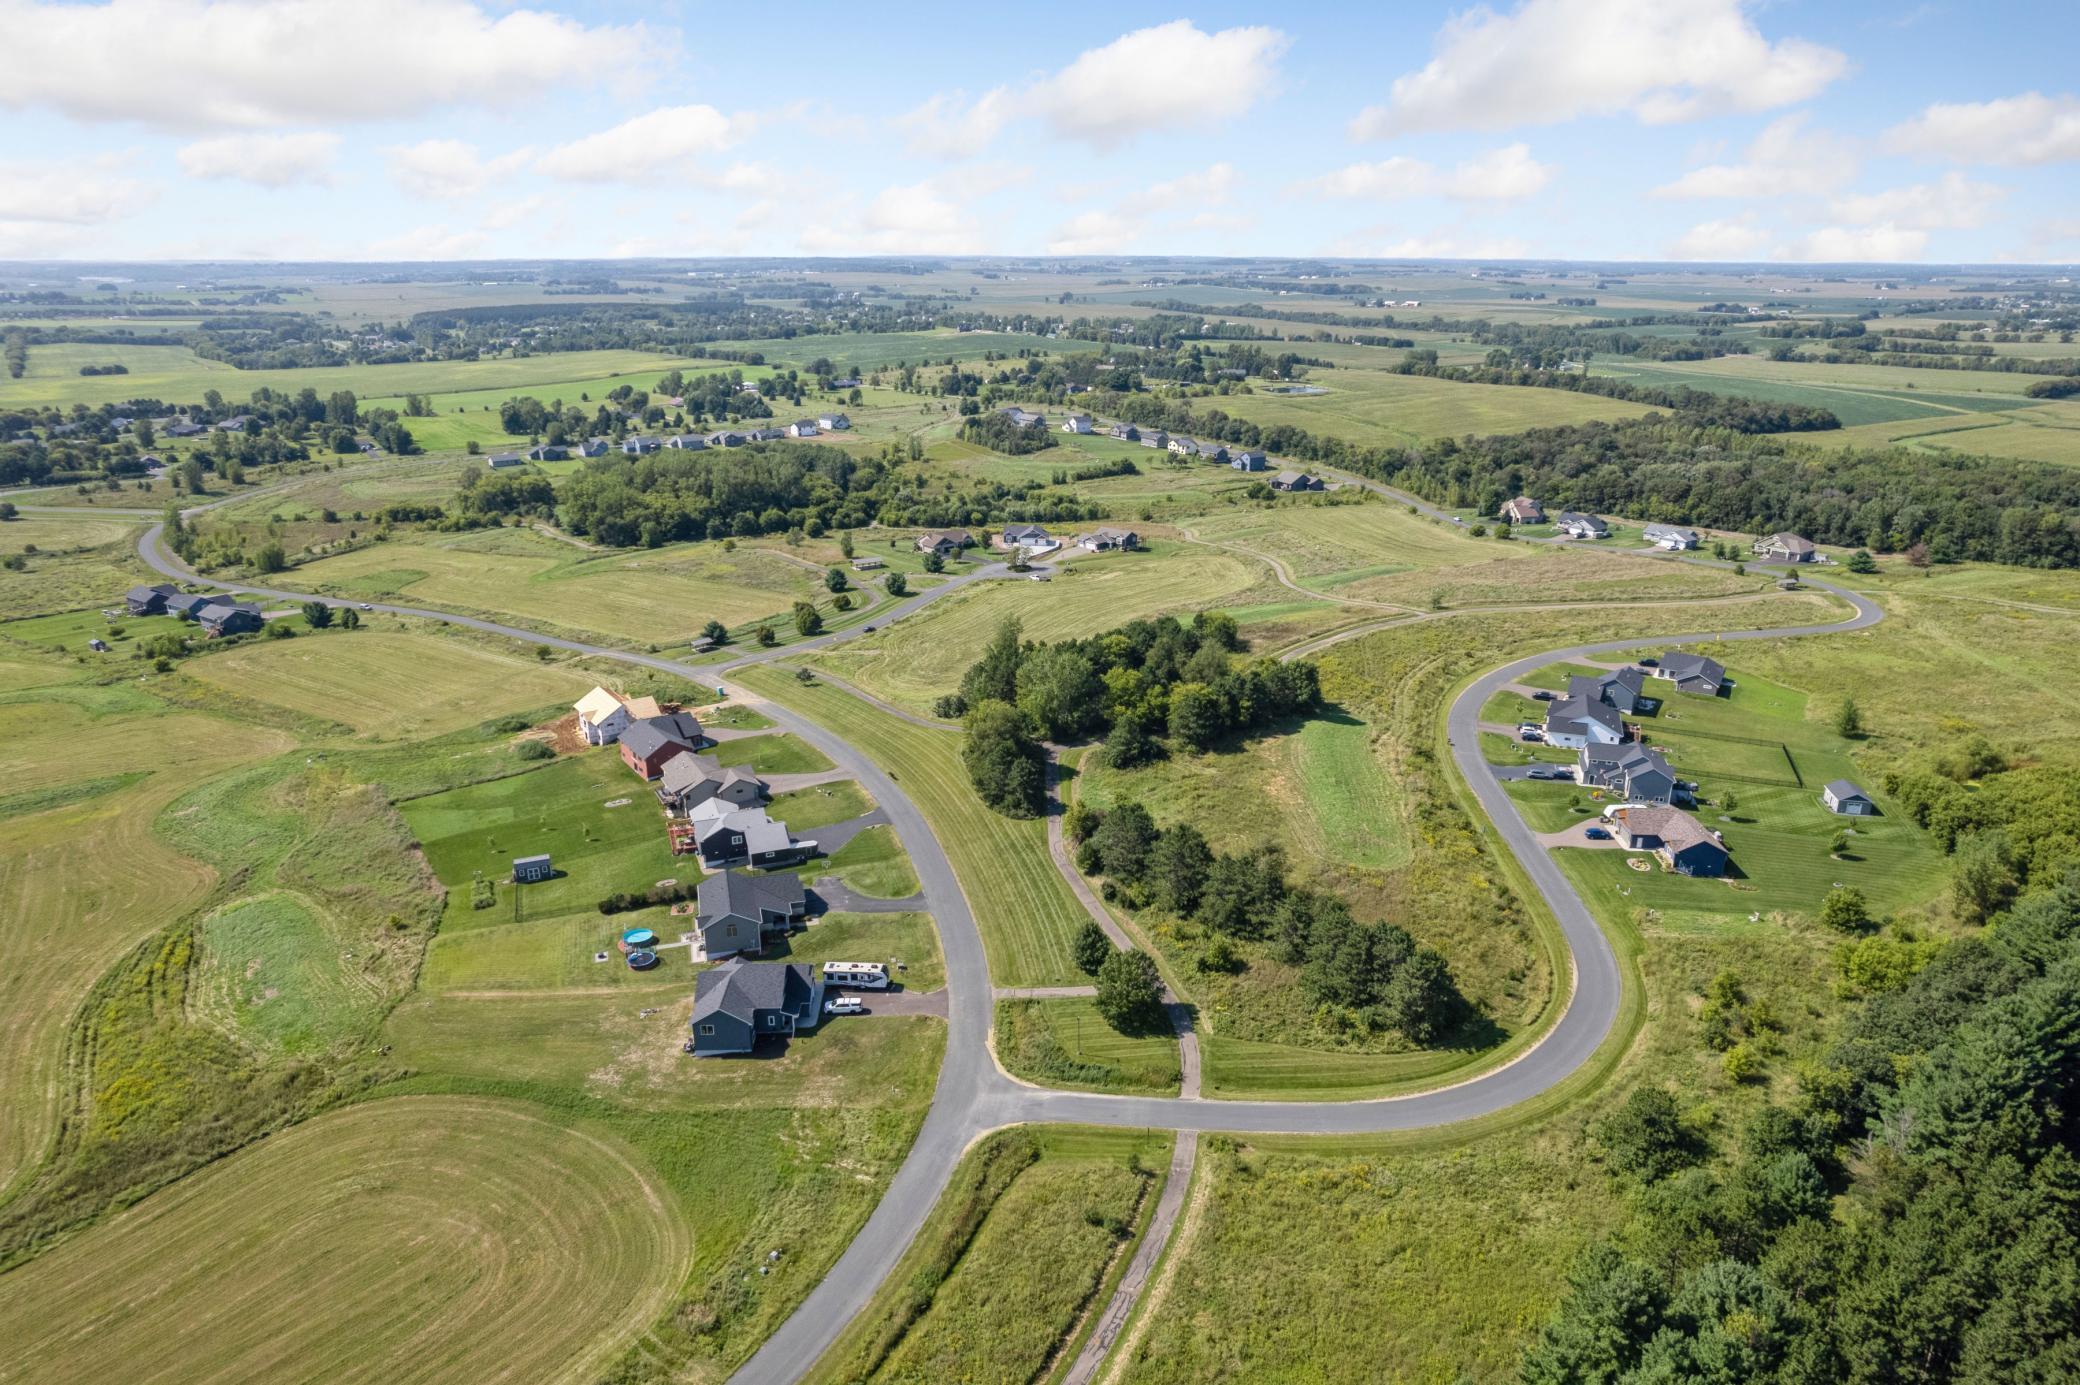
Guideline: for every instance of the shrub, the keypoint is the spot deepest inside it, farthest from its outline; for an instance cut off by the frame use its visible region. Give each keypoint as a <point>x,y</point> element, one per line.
<point>533,750</point>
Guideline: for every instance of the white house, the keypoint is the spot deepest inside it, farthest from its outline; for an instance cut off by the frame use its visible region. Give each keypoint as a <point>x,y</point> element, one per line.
<point>602,717</point>
<point>803,428</point>
<point>1844,796</point>
<point>833,423</point>
<point>1576,525</point>
<point>1673,538</point>
<point>1077,423</point>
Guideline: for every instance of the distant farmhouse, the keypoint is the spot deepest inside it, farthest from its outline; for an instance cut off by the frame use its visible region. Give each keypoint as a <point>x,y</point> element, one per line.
<point>1297,481</point>
<point>833,423</point>
<point>737,1005</point>
<point>1524,510</point>
<point>1031,537</point>
<point>1670,537</point>
<point>547,452</point>
<point>1683,843</point>
<point>1248,459</point>
<point>1576,525</point>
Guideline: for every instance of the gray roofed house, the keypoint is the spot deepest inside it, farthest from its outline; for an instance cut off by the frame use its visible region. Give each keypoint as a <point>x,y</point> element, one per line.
<point>1024,418</point>
<point>803,428</point>
<point>1787,548</point>
<point>1692,673</point>
<point>1621,688</point>
<point>1673,537</point>
<point>1577,525</point>
<point>1212,451</point>
<point>947,543</point>
<point>1156,438</point>
<point>150,601</point>
<point>687,442</point>
<point>1685,845</point>
<point>504,459</point>
<point>691,780</point>
<point>728,437</point>
<point>1077,423</point>
<point>767,434</point>
<point>1632,771</point>
<point>638,447</point>
<point>1105,540</point>
<point>737,911</point>
<point>228,618</point>
<point>1126,432</point>
<point>593,447</point>
<point>1248,459</point>
<point>728,835</point>
<point>1848,797</point>
<point>833,423</point>
<point>188,604</point>
<point>1297,481</point>
<point>737,1004</point>
<point>547,452</point>
<point>649,744</point>
<point>1573,722</point>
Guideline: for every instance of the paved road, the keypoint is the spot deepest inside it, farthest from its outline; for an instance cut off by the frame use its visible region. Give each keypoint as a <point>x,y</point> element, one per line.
<point>974,1096</point>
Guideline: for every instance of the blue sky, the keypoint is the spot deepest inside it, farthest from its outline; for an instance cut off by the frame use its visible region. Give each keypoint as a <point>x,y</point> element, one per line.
<point>1586,129</point>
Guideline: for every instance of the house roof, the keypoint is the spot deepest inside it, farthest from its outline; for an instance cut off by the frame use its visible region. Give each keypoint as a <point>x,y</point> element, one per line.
<point>147,593</point>
<point>1684,667</point>
<point>1577,517</point>
<point>683,772</point>
<point>1789,543</point>
<point>224,610</point>
<point>1113,535</point>
<point>745,988</point>
<point>1024,531</point>
<point>1677,829</point>
<point>761,832</point>
<point>957,536</point>
<point>733,893</point>
<point>653,734</point>
<point>597,705</point>
<point>1839,789</point>
<point>1576,710</point>
<point>1658,531</point>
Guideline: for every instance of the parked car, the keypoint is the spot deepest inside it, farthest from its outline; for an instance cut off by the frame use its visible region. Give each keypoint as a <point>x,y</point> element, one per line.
<point>366,607</point>
<point>1530,733</point>
<point>1650,663</point>
<point>1597,834</point>
<point>844,1005</point>
<point>868,631</point>
<point>1541,696</point>
<point>1548,772</point>
<point>1037,577</point>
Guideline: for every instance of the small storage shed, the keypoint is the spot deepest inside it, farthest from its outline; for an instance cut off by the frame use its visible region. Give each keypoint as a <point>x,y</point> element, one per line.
<point>531,868</point>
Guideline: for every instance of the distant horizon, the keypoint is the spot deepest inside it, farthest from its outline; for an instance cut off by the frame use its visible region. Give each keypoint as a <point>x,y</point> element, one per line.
<point>1804,269</point>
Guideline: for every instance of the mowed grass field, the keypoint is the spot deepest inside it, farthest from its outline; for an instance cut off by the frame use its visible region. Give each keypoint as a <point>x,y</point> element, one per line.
<point>1025,912</point>
<point>2046,432</point>
<point>413,1239</point>
<point>87,878</point>
<point>659,596</point>
<point>179,376</point>
<point>1375,407</point>
<point>912,663</point>
<point>390,685</point>
<point>81,560</point>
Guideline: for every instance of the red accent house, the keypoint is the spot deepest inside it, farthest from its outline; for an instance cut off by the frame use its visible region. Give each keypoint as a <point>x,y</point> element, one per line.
<point>648,745</point>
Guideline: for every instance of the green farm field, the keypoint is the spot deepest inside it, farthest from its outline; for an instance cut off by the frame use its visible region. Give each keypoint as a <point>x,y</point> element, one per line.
<point>393,685</point>
<point>1026,914</point>
<point>80,560</point>
<point>1377,408</point>
<point>379,1224</point>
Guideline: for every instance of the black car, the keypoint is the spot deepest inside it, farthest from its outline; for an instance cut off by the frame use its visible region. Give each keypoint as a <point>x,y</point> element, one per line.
<point>1541,696</point>
<point>1650,663</point>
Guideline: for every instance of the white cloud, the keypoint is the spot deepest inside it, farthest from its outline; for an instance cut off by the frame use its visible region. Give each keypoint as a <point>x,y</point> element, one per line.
<point>1857,245</point>
<point>1445,243</point>
<point>1506,174</point>
<point>191,64</point>
<point>1095,232</point>
<point>1786,160</point>
<point>1554,60</point>
<point>268,161</point>
<point>1737,238</point>
<point>950,126</point>
<point>446,168</point>
<point>69,194</point>
<point>1215,183</point>
<point>637,149</point>
<point>430,243</point>
<point>1190,201</point>
<point>2028,129</point>
<point>932,217</point>
<point>1951,203</point>
<point>513,213</point>
<point>1171,76</point>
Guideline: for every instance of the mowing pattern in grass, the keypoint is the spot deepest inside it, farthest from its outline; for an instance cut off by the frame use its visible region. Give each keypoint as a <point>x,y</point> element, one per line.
<point>906,942</point>
<point>416,1239</point>
<point>1026,914</point>
<point>1372,408</point>
<point>874,863</point>
<point>391,685</point>
<point>1067,1043</point>
<point>804,810</point>
<point>274,970</point>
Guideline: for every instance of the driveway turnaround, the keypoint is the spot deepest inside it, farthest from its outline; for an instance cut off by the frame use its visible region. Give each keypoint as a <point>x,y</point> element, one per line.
<point>975,1096</point>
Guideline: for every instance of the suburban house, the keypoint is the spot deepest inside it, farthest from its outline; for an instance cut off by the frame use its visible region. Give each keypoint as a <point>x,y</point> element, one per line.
<point>1622,688</point>
<point>1631,771</point>
<point>1524,510</point>
<point>1577,525</point>
<point>1211,451</point>
<point>1843,796</point>
<point>150,601</point>
<point>1105,540</point>
<point>1184,447</point>
<point>687,442</point>
<point>1156,438</point>
<point>640,447</point>
<point>187,604</point>
<point>1125,432</point>
<point>1024,418</point>
<point>500,460</point>
<point>727,835</point>
<point>727,438</point>
<point>547,452</point>
<point>1296,481</point>
<point>648,744</point>
<point>736,911</point>
<point>528,869</point>
<point>1685,845</point>
<point>1787,548</point>
<point>228,618</point>
<point>833,423</point>
<point>603,715</point>
<point>1031,537</point>
<point>1692,673</point>
<point>1671,537</point>
<point>1248,459</point>
<point>1574,722</point>
<point>183,429</point>
<point>803,428</point>
<point>736,1005</point>
<point>766,434</point>
<point>850,382</point>
<point>946,543</point>
<point>1077,423</point>
<point>691,780</point>
<point>593,447</point>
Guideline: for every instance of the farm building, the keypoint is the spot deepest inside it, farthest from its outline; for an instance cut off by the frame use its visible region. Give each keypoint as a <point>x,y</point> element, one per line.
<point>527,869</point>
<point>501,460</point>
<point>737,911</point>
<point>734,1006</point>
<point>1846,797</point>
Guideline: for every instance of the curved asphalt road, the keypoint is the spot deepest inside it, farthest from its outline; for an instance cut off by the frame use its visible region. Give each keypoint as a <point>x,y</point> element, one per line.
<point>974,1096</point>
